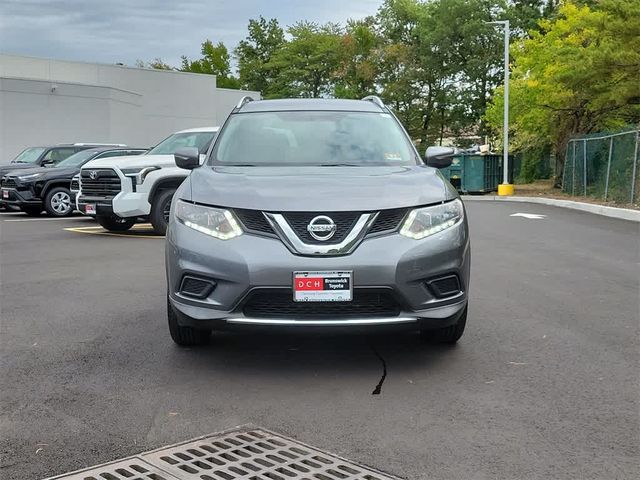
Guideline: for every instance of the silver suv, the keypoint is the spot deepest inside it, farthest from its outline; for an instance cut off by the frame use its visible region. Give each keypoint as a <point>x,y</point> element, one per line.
<point>316,213</point>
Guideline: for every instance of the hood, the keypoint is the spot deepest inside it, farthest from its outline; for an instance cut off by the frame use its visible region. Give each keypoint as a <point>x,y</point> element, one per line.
<point>4,169</point>
<point>321,189</point>
<point>52,172</point>
<point>132,161</point>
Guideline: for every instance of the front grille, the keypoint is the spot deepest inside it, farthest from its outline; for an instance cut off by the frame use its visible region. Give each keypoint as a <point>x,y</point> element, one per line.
<point>278,303</point>
<point>300,220</point>
<point>388,220</point>
<point>106,184</point>
<point>9,182</point>
<point>253,220</point>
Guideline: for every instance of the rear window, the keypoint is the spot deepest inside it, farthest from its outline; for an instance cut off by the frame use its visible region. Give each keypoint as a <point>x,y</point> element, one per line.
<point>313,138</point>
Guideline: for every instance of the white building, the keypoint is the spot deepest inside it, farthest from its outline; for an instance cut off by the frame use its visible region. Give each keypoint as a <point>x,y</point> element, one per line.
<point>45,101</point>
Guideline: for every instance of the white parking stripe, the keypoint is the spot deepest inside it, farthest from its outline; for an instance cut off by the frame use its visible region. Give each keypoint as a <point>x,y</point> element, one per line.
<point>44,219</point>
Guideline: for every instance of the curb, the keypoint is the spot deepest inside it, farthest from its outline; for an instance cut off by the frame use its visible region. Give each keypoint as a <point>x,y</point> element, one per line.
<point>614,212</point>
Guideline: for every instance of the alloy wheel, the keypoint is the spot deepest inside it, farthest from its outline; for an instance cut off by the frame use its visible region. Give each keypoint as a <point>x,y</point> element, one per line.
<point>61,203</point>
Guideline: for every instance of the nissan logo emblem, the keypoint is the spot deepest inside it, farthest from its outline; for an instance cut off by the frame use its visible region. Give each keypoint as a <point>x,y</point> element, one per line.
<point>322,228</point>
<point>93,174</point>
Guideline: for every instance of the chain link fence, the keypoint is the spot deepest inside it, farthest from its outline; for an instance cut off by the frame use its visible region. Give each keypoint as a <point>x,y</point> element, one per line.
<point>603,166</point>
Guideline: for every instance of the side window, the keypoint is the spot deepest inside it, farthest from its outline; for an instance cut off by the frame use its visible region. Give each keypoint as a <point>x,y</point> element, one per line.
<point>114,153</point>
<point>56,155</point>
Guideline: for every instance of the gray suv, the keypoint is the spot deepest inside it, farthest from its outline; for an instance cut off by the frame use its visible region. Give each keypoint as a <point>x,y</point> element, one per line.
<point>316,213</point>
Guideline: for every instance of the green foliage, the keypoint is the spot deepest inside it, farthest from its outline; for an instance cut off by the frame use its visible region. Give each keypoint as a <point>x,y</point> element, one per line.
<point>156,64</point>
<point>578,74</point>
<point>439,65</point>
<point>254,55</point>
<point>308,62</point>
<point>215,60</point>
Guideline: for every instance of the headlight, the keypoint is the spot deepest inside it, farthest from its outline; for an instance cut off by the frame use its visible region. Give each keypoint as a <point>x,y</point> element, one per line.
<point>217,222</point>
<point>138,174</point>
<point>31,176</point>
<point>426,221</point>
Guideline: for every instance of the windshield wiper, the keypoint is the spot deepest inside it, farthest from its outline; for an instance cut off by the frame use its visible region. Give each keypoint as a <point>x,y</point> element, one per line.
<point>237,165</point>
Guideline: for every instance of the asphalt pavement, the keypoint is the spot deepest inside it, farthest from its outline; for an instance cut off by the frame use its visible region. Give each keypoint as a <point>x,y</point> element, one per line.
<point>544,384</point>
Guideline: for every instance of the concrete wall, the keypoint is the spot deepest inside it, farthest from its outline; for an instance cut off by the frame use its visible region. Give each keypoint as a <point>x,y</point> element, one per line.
<point>46,101</point>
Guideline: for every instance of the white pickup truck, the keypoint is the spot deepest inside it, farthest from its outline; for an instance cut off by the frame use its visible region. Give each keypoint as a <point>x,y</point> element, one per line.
<point>119,191</point>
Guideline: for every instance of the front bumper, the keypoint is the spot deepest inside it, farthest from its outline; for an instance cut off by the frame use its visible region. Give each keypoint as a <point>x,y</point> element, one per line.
<point>251,263</point>
<point>20,198</point>
<point>124,204</point>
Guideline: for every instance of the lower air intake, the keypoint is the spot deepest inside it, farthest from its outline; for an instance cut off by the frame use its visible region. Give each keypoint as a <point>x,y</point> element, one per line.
<point>445,286</point>
<point>278,303</point>
<point>196,287</point>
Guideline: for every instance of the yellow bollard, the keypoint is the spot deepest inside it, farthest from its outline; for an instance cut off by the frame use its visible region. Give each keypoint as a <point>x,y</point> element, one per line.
<point>505,189</point>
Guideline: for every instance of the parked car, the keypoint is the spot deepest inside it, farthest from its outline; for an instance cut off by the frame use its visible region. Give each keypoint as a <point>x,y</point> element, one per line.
<point>49,188</point>
<point>119,191</point>
<point>316,213</point>
<point>34,157</point>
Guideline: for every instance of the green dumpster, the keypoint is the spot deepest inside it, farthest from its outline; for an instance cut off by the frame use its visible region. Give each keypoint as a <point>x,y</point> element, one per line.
<point>475,173</point>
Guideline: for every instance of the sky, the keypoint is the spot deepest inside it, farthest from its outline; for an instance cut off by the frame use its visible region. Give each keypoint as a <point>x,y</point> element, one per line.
<point>112,31</point>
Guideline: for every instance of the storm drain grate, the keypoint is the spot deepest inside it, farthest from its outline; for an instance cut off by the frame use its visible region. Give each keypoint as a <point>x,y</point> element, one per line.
<point>130,469</point>
<point>240,454</point>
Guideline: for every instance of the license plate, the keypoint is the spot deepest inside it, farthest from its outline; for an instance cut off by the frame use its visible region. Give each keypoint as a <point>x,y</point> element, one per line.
<point>5,193</point>
<point>90,209</point>
<point>328,286</point>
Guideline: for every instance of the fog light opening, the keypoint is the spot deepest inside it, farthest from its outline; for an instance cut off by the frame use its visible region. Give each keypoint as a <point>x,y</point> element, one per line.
<point>196,287</point>
<point>443,287</point>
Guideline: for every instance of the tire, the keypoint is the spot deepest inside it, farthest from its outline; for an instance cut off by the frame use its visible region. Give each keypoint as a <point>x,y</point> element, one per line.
<point>185,336</point>
<point>447,335</point>
<point>32,211</point>
<point>160,211</point>
<point>58,203</point>
<point>113,223</point>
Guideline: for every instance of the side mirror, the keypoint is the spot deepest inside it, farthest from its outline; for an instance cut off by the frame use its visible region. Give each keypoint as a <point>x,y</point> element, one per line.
<point>439,157</point>
<point>47,162</point>
<point>187,158</point>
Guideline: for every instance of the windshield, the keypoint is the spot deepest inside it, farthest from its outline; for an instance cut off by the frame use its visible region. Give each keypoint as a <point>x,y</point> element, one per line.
<point>29,155</point>
<point>313,138</point>
<point>200,140</point>
<point>77,159</point>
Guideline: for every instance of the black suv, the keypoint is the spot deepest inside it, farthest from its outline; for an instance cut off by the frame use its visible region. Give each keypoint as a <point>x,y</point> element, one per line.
<point>34,157</point>
<point>35,189</point>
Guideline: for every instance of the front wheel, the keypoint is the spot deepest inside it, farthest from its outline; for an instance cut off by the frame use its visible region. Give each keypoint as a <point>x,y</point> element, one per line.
<point>185,336</point>
<point>57,202</point>
<point>160,209</point>
<point>446,335</point>
<point>113,223</point>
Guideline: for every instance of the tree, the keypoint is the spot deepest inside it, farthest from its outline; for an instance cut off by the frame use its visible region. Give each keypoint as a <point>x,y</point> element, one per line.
<point>255,52</point>
<point>156,64</point>
<point>215,60</point>
<point>358,67</point>
<point>580,73</point>
<point>307,64</point>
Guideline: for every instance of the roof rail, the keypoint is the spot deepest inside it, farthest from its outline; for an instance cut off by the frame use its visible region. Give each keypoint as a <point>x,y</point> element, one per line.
<point>243,100</point>
<point>97,144</point>
<point>375,99</point>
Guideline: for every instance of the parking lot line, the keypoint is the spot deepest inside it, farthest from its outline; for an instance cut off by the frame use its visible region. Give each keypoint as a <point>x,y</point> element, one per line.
<point>43,219</point>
